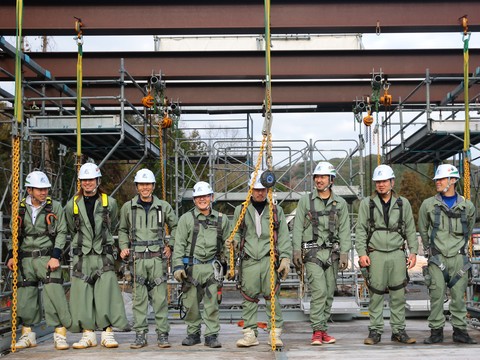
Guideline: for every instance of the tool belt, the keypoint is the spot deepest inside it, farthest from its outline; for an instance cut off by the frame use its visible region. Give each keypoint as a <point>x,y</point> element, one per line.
<point>106,250</point>
<point>310,250</point>
<point>35,253</point>
<point>147,254</point>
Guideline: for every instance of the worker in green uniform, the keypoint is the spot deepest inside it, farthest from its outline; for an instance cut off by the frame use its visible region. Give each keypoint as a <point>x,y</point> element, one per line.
<point>95,298</point>
<point>142,235</point>
<point>445,224</point>
<point>41,239</point>
<point>197,256</point>
<point>321,242</point>
<point>253,240</point>
<point>385,222</point>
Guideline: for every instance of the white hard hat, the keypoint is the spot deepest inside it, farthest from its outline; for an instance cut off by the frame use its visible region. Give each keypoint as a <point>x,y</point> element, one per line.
<point>144,176</point>
<point>383,172</point>
<point>37,179</point>
<point>202,188</point>
<point>325,168</point>
<point>89,171</point>
<point>258,185</point>
<point>446,171</point>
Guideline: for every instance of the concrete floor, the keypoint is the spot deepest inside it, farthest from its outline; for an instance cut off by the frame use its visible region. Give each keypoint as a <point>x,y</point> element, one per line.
<point>349,345</point>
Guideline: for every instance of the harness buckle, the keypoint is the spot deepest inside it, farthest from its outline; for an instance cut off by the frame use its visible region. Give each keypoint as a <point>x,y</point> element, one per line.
<point>36,253</point>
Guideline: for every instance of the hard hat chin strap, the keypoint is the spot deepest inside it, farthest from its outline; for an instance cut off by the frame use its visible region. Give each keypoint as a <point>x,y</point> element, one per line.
<point>448,186</point>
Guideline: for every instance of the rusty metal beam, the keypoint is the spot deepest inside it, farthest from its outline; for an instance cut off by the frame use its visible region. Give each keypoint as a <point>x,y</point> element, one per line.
<point>327,96</point>
<point>239,17</point>
<point>338,64</point>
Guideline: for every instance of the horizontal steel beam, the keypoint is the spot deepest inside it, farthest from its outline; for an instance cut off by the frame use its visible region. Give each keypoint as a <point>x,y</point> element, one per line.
<point>334,64</point>
<point>239,17</point>
<point>326,96</point>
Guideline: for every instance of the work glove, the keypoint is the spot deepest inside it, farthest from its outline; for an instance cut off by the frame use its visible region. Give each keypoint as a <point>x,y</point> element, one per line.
<point>297,261</point>
<point>343,263</point>
<point>180,275</point>
<point>284,268</point>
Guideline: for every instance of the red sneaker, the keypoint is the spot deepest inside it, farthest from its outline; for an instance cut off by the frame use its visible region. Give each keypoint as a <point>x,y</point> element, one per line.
<point>317,338</point>
<point>327,339</point>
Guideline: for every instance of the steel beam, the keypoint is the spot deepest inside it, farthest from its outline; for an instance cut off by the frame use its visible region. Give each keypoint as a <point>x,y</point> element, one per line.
<point>239,17</point>
<point>326,96</point>
<point>340,64</point>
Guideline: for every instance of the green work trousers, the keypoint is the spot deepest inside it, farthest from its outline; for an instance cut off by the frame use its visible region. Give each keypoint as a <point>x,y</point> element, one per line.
<point>437,289</point>
<point>55,303</point>
<point>322,284</point>
<point>99,305</point>
<point>152,272</point>
<point>256,282</point>
<point>192,299</point>
<point>387,270</point>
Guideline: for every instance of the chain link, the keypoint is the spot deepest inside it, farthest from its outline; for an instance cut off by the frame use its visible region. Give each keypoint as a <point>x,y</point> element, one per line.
<point>244,210</point>
<point>272,270</point>
<point>164,197</point>
<point>15,231</point>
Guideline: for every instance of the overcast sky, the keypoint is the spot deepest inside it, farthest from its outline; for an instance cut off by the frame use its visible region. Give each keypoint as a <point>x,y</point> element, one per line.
<point>286,126</point>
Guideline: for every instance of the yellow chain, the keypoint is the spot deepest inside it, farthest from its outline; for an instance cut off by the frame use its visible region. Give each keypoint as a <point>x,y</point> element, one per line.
<point>15,231</point>
<point>164,194</point>
<point>18,114</point>
<point>272,270</point>
<point>244,210</point>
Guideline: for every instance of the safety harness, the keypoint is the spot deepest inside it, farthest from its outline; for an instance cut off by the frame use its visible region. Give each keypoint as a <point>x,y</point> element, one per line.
<point>434,257</point>
<point>311,248</point>
<point>107,249</point>
<point>190,261</point>
<point>400,228</point>
<point>242,255</point>
<point>51,232</point>
<point>160,241</point>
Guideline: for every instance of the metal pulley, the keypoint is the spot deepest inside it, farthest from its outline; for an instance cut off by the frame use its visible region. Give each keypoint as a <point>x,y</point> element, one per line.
<point>386,99</point>
<point>368,120</point>
<point>268,179</point>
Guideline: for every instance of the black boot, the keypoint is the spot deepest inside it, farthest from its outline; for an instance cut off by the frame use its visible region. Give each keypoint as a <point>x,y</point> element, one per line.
<point>191,339</point>
<point>212,341</point>
<point>373,338</point>
<point>162,340</point>
<point>436,336</point>
<point>140,341</point>
<point>461,336</point>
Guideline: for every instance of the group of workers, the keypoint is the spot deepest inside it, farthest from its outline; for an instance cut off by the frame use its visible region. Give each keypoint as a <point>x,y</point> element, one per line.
<point>199,242</point>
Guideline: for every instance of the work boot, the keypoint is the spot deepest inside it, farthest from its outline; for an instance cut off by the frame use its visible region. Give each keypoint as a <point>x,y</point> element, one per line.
<point>436,336</point>
<point>140,340</point>
<point>373,338</point>
<point>108,339</point>
<point>60,338</point>
<point>89,339</point>
<point>28,339</point>
<point>162,341</point>
<point>212,341</point>
<point>317,338</point>
<point>191,339</point>
<point>276,337</point>
<point>249,338</point>
<point>403,338</point>
<point>461,336</point>
<point>327,339</point>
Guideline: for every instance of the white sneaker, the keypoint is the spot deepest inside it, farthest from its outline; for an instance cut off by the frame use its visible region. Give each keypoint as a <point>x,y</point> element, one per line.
<point>60,338</point>
<point>107,339</point>
<point>249,338</point>
<point>28,339</point>
<point>89,339</point>
<point>276,337</point>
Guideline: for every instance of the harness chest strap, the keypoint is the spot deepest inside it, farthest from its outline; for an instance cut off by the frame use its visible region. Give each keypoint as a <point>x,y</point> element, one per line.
<point>311,254</point>
<point>106,224</point>
<point>242,255</point>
